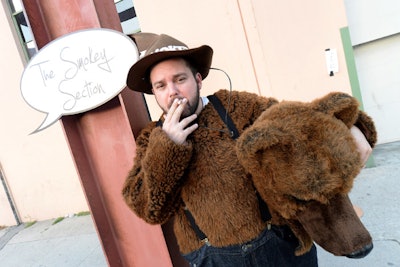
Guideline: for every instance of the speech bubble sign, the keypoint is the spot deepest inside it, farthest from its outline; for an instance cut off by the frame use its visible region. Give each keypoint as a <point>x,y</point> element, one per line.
<point>77,72</point>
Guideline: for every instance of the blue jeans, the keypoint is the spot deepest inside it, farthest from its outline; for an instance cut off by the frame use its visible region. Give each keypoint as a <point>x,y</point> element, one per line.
<point>269,249</point>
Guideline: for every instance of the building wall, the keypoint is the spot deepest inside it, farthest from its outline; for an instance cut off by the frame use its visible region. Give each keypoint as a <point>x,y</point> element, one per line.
<point>371,20</point>
<point>375,33</point>
<point>38,168</point>
<point>273,48</point>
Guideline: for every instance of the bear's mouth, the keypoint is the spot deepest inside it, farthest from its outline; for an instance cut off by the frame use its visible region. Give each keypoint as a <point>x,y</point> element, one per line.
<point>336,227</point>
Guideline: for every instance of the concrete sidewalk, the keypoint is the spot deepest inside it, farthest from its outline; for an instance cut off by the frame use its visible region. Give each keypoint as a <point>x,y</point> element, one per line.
<point>70,242</point>
<point>73,241</point>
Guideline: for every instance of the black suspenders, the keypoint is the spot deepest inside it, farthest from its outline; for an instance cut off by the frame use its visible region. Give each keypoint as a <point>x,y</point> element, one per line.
<point>224,115</point>
<point>265,214</point>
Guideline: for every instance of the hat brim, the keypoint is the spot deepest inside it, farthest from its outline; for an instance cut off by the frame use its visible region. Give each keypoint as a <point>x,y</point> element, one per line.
<point>200,57</point>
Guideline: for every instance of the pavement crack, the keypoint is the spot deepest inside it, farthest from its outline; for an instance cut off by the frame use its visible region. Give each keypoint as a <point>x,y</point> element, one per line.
<point>388,239</point>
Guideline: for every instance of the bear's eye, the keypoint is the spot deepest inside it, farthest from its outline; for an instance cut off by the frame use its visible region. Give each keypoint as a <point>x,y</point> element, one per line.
<point>298,200</point>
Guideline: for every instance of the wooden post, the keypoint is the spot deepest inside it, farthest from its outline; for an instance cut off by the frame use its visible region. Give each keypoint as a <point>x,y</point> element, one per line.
<point>102,140</point>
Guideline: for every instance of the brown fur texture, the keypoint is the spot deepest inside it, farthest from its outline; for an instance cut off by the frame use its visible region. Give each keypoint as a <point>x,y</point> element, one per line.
<point>204,176</point>
<point>207,178</point>
<point>303,160</point>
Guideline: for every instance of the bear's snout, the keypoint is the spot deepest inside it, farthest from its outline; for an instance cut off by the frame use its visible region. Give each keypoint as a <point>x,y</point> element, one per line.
<point>362,252</point>
<point>336,227</point>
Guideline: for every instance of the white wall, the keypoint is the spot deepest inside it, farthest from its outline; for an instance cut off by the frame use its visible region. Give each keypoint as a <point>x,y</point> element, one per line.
<point>378,67</point>
<point>375,33</point>
<point>371,19</point>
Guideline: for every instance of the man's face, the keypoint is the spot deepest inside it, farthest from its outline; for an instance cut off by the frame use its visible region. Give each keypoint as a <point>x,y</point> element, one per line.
<point>171,79</point>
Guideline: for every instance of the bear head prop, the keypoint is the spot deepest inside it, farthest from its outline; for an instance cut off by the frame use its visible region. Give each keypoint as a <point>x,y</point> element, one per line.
<point>303,160</point>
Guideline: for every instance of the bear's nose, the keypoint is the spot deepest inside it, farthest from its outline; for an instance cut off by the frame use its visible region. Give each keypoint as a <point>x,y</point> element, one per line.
<point>361,253</point>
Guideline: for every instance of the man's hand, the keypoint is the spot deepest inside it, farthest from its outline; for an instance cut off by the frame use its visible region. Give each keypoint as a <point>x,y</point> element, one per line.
<point>173,127</point>
<point>363,146</point>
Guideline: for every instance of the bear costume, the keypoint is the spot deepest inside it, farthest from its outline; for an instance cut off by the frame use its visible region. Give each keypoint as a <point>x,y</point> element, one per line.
<point>299,156</point>
<point>303,160</point>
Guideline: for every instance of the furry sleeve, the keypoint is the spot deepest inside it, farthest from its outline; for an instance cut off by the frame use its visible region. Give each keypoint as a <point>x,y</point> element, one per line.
<point>152,188</point>
<point>367,127</point>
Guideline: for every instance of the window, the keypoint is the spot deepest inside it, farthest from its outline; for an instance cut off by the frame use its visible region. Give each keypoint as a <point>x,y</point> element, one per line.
<point>24,31</point>
<point>127,16</point>
<point>125,10</point>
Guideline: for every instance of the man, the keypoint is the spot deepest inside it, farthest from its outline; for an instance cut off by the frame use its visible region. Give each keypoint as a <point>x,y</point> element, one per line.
<point>186,167</point>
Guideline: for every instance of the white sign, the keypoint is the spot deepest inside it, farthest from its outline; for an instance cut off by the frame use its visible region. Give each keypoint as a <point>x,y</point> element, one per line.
<point>77,72</point>
<point>331,59</point>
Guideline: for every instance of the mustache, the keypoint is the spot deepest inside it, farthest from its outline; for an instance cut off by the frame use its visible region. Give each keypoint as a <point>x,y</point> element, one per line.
<point>179,99</point>
<point>173,100</point>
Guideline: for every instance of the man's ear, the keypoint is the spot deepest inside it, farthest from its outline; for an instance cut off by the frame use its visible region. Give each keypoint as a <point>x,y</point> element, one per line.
<point>340,105</point>
<point>199,80</point>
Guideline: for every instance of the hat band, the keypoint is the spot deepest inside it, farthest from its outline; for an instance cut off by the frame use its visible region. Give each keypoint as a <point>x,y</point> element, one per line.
<point>164,49</point>
<point>171,48</point>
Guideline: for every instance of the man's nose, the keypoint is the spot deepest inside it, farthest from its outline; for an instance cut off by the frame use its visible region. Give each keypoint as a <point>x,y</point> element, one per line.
<point>172,88</point>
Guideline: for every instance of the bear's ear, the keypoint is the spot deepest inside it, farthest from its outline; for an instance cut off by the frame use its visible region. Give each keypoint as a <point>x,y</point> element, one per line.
<point>253,142</point>
<point>340,105</point>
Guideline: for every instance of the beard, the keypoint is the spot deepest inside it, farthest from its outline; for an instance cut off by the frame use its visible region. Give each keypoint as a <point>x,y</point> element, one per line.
<point>191,106</point>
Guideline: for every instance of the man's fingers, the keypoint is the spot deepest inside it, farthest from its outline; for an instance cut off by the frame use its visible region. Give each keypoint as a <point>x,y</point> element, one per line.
<point>362,144</point>
<point>171,110</point>
<point>176,109</point>
<point>188,120</point>
<point>191,129</point>
<point>178,129</point>
<point>181,103</point>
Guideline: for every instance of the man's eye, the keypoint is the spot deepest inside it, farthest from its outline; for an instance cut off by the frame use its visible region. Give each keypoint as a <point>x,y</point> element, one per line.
<point>181,79</point>
<point>158,86</point>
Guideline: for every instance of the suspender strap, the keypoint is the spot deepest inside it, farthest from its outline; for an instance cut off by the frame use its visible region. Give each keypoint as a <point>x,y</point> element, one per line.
<point>264,210</point>
<point>202,236</point>
<point>224,115</point>
<point>265,214</point>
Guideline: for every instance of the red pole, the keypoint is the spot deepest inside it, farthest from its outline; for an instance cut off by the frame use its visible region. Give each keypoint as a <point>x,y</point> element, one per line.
<point>102,142</point>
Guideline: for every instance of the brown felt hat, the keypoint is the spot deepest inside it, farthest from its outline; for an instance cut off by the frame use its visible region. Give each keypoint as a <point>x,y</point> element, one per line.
<point>154,48</point>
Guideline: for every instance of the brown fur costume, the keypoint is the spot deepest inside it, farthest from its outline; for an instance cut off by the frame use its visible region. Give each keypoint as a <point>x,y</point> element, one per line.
<point>206,177</point>
<point>303,160</point>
